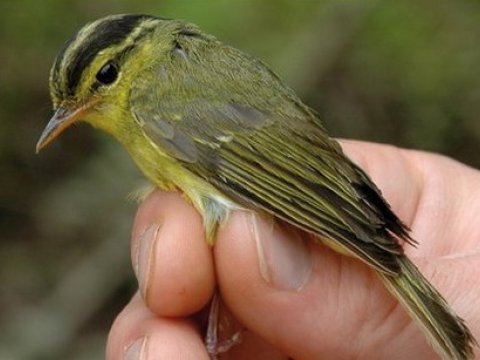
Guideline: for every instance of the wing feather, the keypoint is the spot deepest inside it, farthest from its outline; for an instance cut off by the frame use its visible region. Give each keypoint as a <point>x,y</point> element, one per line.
<point>266,149</point>
<point>292,171</point>
<point>310,202</point>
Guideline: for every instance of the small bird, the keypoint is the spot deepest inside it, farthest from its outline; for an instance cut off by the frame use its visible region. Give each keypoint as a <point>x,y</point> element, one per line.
<point>203,117</point>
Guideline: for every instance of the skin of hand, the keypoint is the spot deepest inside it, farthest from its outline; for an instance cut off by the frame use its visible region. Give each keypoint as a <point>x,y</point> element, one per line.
<point>302,299</point>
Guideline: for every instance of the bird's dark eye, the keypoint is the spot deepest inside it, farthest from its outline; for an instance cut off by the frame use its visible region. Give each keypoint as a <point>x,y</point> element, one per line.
<point>107,74</point>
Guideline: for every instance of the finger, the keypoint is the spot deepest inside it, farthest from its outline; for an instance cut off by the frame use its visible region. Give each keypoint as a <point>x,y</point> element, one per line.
<point>307,300</point>
<point>137,333</point>
<point>171,258</point>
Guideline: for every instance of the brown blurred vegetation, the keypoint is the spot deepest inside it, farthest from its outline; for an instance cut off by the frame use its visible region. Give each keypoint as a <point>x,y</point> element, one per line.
<point>405,73</point>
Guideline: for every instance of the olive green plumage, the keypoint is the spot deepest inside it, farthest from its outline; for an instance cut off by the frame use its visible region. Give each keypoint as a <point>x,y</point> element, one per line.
<point>198,115</point>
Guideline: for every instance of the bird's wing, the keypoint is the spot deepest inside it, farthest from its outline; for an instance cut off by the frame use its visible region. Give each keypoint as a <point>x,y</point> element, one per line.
<point>288,167</point>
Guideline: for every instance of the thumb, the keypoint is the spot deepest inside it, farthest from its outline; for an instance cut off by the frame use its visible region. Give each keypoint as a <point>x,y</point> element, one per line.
<point>307,300</point>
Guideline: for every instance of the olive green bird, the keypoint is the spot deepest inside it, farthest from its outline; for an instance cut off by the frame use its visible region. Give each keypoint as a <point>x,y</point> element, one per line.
<point>206,118</point>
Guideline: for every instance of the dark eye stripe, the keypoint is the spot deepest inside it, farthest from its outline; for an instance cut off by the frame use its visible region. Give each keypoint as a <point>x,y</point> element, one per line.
<point>107,33</point>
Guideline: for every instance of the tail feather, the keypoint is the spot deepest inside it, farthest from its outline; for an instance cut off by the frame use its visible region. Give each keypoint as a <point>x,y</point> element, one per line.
<point>444,329</point>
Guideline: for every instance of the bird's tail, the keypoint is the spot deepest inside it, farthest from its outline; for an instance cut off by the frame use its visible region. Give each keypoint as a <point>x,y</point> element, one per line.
<point>446,331</point>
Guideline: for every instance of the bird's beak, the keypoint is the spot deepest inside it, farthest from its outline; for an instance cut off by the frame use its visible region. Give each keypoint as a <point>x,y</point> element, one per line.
<point>61,119</point>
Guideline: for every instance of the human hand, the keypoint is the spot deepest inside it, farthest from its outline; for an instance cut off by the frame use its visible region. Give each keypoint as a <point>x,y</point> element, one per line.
<point>302,298</point>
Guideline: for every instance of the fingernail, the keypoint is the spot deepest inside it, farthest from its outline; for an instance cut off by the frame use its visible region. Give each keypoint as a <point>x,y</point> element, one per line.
<point>136,350</point>
<point>284,256</point>
<point>146,257</point>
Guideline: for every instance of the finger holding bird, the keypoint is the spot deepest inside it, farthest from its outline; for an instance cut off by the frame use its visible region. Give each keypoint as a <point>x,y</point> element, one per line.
<point>205,118</point>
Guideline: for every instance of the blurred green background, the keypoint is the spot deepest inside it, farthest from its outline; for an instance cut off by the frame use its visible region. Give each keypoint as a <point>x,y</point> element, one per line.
<point>405,73</point>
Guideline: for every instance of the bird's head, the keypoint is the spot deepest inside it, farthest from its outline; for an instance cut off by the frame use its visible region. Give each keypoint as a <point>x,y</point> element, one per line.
<point>91,77</point>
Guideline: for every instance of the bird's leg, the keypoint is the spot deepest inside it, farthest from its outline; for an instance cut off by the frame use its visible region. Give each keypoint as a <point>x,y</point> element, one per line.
<point>214,345</point>
<point>215,210</point>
